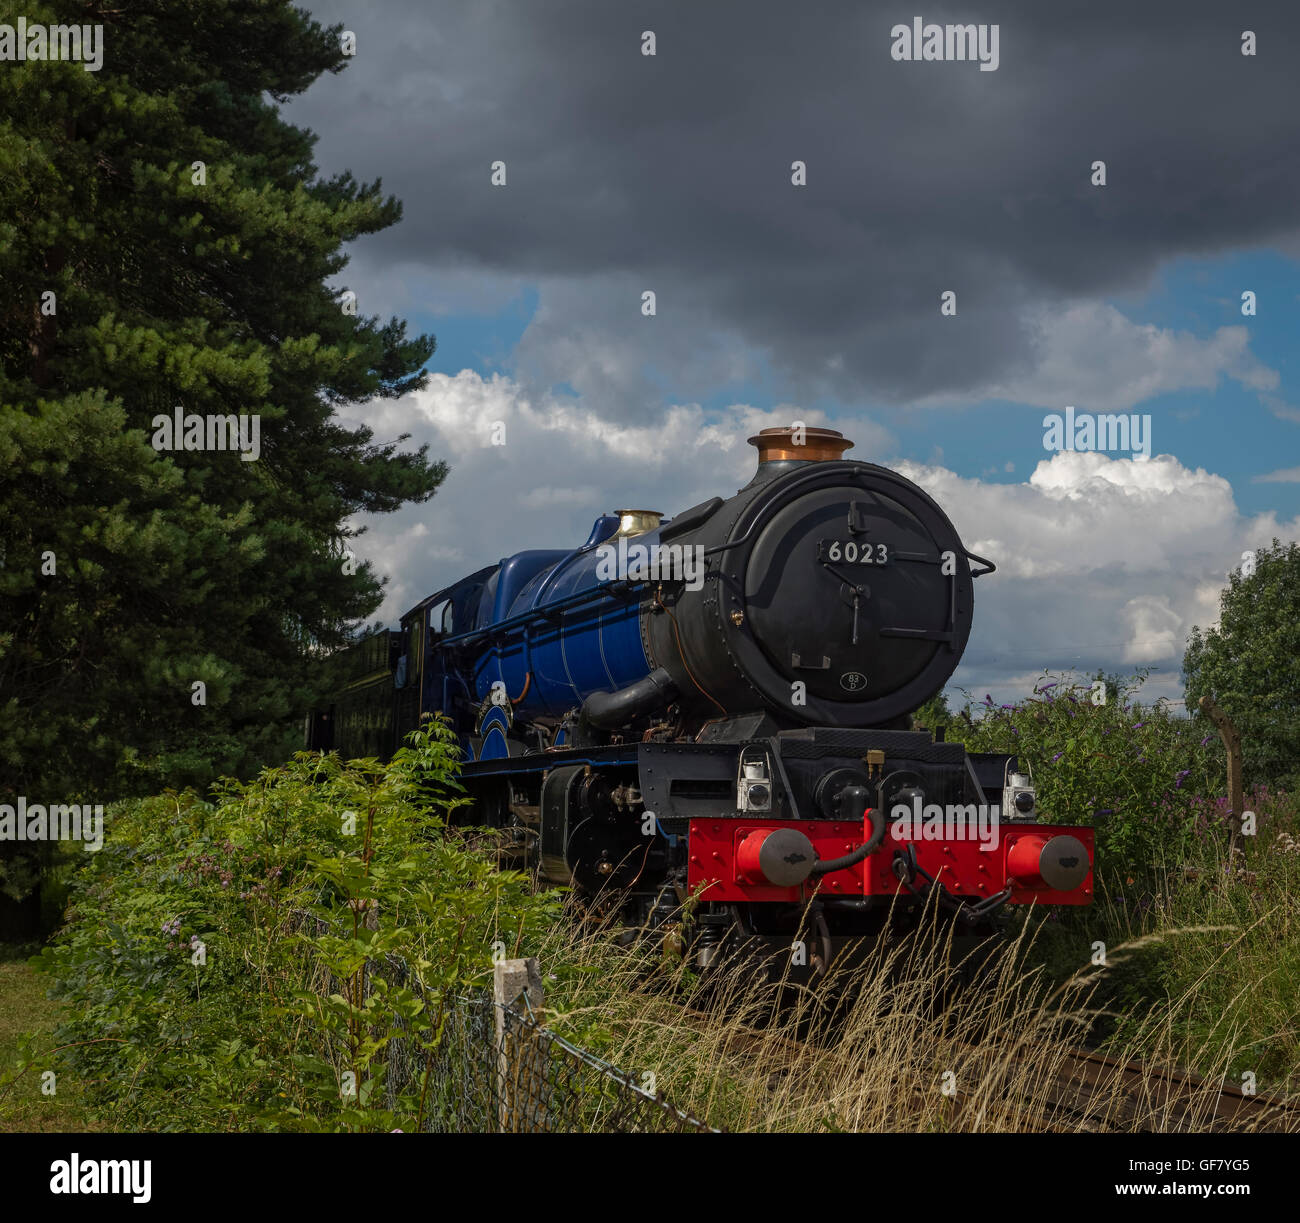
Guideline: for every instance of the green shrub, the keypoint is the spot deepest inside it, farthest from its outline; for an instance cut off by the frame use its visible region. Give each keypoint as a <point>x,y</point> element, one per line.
<point>1133,770</point>
<point>231,965</point>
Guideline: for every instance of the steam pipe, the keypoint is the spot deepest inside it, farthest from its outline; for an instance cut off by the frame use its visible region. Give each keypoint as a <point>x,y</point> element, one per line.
<point>610,710</point>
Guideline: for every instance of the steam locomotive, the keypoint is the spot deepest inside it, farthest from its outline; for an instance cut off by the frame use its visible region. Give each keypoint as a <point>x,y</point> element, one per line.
<point>718,706</point>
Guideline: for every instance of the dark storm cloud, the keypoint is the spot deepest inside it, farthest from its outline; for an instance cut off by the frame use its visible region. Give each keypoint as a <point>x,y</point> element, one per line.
<point>673,172</point>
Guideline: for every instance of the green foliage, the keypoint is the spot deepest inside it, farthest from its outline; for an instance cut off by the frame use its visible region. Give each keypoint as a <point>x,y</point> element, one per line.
<point>1211,948</point>
<point>1250,663</point>
<point>933,714</point>
<point>1134,770</point>
<point>305,888</point>
<point>126,573</point>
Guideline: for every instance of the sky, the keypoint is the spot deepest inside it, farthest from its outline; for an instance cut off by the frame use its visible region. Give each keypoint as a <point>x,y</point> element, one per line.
<point>673,173</point>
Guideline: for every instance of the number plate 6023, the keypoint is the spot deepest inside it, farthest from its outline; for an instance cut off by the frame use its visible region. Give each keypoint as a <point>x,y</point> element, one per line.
<point>850,551</point>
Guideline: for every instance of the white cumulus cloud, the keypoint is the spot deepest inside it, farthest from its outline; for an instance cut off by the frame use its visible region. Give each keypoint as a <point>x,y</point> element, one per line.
<point>1101,562</point>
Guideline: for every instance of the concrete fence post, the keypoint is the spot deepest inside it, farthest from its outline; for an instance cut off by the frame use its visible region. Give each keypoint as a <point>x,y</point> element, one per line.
<point>521,1077</point>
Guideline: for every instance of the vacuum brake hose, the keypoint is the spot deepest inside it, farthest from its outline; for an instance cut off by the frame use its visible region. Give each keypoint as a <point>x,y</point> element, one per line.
<point>868,847</point>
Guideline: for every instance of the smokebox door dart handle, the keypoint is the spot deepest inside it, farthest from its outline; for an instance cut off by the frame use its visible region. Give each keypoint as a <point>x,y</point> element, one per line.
<point>859,592</point>
<point>851,583</point>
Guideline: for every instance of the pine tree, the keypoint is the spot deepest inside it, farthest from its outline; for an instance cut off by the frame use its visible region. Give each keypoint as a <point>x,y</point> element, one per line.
<point>165,242</point>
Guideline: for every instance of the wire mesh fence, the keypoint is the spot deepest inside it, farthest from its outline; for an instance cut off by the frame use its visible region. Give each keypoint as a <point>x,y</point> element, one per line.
<point>497,1070</point>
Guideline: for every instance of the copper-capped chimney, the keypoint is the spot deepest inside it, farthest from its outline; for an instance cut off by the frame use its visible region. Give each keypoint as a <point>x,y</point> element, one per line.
<point>814,445</point>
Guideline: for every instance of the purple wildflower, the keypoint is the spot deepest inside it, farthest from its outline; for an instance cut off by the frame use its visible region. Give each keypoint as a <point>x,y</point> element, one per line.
<point>1057,757</point>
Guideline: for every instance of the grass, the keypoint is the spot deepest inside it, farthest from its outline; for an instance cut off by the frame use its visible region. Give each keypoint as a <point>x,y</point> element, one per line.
<point>1214,945</point>
<point>26,1010</point>
<point>1201,960</point>
<point>906,1049</point>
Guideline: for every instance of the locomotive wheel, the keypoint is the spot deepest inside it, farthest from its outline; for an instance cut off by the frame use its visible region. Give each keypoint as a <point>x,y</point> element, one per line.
<point>606,855</point>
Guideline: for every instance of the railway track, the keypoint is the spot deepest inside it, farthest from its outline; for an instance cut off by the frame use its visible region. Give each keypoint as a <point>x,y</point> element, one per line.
<point>1078,1091</point>
<point>1083,1091</point>
<point>1106,1094</point>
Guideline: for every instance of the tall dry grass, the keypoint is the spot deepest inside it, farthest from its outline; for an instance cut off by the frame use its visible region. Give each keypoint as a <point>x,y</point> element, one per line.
<point>925,1035</point>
